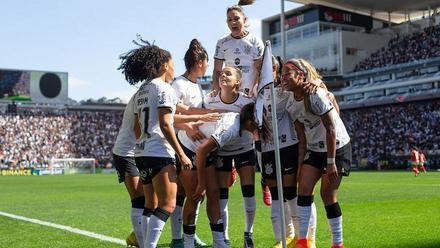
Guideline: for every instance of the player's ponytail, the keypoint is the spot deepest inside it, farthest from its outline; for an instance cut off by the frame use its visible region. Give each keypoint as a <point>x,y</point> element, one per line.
<point>194,54</point>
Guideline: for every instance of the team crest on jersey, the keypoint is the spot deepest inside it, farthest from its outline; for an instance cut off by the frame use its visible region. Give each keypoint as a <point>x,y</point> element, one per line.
<point>237,61</point>
<point>247,49</point>
<point>162,97</point>
<point>268,168</point>
<point>283,138</point>
<point>237,51</point>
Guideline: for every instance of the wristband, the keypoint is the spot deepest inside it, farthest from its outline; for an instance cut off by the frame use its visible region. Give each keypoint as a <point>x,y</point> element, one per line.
<point>331,161</point>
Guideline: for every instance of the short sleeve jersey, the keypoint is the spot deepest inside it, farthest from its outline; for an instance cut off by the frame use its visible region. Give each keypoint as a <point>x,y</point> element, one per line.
<point>286,133</point>
<point>223,131</point>
<point>314,128</point>
<point>245,142</point>
<point>187,92</point>
<point>150,97</point>
<point>241,53</point>
<point>126,139</point>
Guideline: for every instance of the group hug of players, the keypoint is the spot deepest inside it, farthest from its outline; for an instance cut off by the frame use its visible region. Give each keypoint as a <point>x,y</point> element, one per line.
<point>183,145</point>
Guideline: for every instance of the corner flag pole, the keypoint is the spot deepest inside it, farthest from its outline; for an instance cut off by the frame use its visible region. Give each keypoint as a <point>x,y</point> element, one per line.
<point>265,80</point>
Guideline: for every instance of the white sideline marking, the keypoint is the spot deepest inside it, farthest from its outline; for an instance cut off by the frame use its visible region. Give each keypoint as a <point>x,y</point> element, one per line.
<point>67,228</point>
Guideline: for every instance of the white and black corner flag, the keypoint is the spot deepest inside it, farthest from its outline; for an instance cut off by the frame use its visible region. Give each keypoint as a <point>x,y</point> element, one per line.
<point>266,78</point>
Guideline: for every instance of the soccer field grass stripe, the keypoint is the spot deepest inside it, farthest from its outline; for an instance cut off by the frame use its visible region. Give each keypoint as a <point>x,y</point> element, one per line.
<point>66,228</point>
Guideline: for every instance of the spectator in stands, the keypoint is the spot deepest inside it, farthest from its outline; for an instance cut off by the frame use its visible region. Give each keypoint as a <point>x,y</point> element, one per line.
<point>403,49</point>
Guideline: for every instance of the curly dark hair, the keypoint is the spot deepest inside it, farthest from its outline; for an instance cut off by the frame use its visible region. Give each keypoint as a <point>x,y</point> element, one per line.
<point>143,63</point>
<point>194,54</point>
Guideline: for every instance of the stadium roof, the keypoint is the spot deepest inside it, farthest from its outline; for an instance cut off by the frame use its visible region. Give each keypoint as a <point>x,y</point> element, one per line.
<point>380,8</point>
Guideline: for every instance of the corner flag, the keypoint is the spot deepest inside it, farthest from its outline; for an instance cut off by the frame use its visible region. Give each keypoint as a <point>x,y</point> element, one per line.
<point>266,78</point>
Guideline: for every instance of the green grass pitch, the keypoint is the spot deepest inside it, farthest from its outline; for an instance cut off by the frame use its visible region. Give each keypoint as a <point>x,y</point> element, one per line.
<point>380,209</point>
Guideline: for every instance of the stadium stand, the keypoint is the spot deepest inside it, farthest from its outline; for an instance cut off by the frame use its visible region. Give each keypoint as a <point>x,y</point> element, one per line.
<point>403,49</point>
<point>32,137</point>
<point>383,134</point>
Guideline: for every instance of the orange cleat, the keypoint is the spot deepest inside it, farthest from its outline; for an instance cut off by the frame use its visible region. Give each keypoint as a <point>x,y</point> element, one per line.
<point>233,177</point>
<point>267,197</point>
<point>301,243</point>
<point>338,246</point>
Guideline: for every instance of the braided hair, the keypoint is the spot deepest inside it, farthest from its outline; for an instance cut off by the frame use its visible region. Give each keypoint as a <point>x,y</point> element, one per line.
<point>143,63</point>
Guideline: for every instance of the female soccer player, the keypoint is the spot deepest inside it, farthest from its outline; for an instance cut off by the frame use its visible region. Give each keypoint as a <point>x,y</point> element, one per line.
<point>189,93</point>
<point>239,49</point>
<point>240,154</point>
<point>291,154</point>
<point>157,145</point>
<point>123,158</point>
<point>329,151</point>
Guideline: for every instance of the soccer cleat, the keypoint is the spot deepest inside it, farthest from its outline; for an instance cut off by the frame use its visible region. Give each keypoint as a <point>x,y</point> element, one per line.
<point>233,177</point>
<point>177,243</point>
<point>248,241</point>
<point>290,241</point>
<point>278,244</point>
<point>267,198</point>
<point>131,240</point>
<point>301,243</point>
<point>198,243</point>
<point>338,246</point>
<point>311,243</point>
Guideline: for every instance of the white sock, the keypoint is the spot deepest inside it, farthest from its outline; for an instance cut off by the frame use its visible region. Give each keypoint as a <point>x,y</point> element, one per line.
<point>336,229</point>
<point>225,215</point>
<point>188,240</point>
<point>176,222</point>
<point>218,236</point>
<point>294,215</point>
<point>249,213</point>
<point>312,224</point>
<point>145,220</point>
<point>275,216</point>
<point>290,230</point>
<point>155,227</point>
<point>304,219</point>
<point>136,222</point>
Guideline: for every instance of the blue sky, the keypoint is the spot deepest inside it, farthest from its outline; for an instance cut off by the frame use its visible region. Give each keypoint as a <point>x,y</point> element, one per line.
<point>85,38</point>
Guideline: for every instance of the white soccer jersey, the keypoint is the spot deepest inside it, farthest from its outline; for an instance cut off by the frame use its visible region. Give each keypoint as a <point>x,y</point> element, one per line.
<point>241,53</point>
<point>150,97</point>
<point>224,131</point>
<point>286,133</point>
<point>245,142</point>
<point>314,128</point>
<point>187,92</point>
<point>126,139</point>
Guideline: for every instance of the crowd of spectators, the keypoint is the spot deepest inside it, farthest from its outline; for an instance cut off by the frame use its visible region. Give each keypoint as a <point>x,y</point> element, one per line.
<point>388,131</point>
<point>403,49</point>
<point>32,138</point>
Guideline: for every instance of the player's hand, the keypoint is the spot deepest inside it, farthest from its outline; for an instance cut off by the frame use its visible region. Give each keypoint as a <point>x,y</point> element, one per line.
<point>185,162</point>
<point>211,117</point>
<point>200,192</point>
<point>312,86</point>
<point>193,131</point>
<point>332,174</point>
<point>214,93</point>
